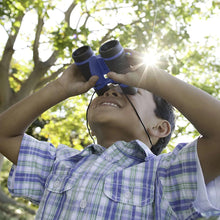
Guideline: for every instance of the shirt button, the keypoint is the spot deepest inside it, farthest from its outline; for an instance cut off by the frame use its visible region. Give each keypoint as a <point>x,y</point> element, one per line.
<point>56,183</point>
<point>128,195</point>
<point>83,204</point>
<point>109,158</point>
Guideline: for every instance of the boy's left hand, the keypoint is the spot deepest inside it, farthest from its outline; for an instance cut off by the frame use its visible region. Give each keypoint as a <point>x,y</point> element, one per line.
<point>138,74</point>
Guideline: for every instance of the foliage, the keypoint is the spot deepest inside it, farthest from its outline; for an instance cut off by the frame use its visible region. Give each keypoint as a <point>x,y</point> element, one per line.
<point>68,120</point>
<point>20,209</point>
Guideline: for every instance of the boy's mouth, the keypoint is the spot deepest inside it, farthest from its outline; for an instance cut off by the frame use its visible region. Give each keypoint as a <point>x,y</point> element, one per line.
<point>114,102</point>
<point>111,104</point>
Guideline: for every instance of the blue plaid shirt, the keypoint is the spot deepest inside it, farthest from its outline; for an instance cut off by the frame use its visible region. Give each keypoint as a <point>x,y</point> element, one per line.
<point>125,181</point>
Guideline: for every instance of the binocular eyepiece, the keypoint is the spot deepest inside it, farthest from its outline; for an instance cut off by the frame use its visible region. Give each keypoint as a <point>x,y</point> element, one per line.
<point>111,57</point>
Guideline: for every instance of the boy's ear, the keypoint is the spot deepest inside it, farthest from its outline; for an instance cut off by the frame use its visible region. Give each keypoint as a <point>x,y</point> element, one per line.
<point>161,129</point>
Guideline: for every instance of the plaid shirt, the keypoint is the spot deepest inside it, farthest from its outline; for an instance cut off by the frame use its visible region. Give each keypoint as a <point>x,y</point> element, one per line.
<point>125,181</point>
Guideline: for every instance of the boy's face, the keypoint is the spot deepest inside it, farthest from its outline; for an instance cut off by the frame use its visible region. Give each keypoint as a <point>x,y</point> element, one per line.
<point>112,112</point>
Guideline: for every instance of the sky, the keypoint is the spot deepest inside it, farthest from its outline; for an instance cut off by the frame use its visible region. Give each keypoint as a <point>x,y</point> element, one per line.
<point>201,28</point>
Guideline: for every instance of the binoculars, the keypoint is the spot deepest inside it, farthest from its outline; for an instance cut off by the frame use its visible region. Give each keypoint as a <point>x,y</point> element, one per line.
<point>112,58</point>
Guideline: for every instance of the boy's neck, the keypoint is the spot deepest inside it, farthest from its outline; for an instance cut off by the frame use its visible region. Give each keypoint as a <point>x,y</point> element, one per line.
<point>108,136</point>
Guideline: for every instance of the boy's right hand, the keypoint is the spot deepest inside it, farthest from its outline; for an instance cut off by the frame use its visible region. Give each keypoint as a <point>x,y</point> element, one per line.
<point>16,119</point>
<point>73,82</point>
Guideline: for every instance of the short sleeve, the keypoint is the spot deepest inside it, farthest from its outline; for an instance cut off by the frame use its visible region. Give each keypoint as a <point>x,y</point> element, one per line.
<point>213,189</point>
<point>35,162</point>
<point>208,196</point>
<point>181,177</point>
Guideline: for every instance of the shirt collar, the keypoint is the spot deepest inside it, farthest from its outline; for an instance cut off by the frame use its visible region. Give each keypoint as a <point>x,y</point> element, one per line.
<point>136,149</point>
<point>93,149</point>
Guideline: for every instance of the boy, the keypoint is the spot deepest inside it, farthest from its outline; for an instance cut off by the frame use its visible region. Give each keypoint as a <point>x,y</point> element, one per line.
<point>119,178</point>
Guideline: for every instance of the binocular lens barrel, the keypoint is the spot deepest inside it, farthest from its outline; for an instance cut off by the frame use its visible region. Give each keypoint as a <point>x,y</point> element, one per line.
<point>113,54</point>
<point>110,49</point>
<point>82,54</point>
<point>81,57</point>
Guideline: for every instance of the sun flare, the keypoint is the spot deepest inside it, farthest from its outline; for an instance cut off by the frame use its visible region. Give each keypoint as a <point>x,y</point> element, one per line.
<point>150,59</point>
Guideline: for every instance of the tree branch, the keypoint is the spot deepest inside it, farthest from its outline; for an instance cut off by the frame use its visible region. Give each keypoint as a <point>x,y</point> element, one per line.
<point>77,24</point>
<point>51,77</point>
<point>37,39</point>
<point>106,37</point>
<point>5,90</point>
<point>87,17</point>
<point>16,79</point>
<point>68,13</point>
<point>40,68</point>
<point>8,50</point>
<point>51,60</point>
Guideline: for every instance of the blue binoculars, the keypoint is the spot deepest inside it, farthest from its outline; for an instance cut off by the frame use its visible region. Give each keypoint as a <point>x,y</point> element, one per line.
<point>112,58</point>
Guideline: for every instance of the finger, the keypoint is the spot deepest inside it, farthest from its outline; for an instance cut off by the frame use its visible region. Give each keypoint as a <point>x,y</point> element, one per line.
<point>90,83</point>
<point>121,78</point>
<point>134,57</point>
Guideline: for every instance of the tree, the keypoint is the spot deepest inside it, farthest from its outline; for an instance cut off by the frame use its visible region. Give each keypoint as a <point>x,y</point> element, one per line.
<point>142,25</point>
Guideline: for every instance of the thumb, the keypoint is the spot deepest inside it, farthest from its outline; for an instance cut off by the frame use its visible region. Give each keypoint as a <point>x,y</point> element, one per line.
<point>91,82</point>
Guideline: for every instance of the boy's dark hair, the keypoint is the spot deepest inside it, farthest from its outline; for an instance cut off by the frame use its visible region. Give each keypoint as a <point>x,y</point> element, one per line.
<point>165,111</point>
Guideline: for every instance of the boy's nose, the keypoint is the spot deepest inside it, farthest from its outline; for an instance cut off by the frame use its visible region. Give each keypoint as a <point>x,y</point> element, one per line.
<point>113,91</point>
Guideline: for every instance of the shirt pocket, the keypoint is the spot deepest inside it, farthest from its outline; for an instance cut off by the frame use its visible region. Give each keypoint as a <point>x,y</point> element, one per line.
<point>128,191</point>
<point>60,183</point>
